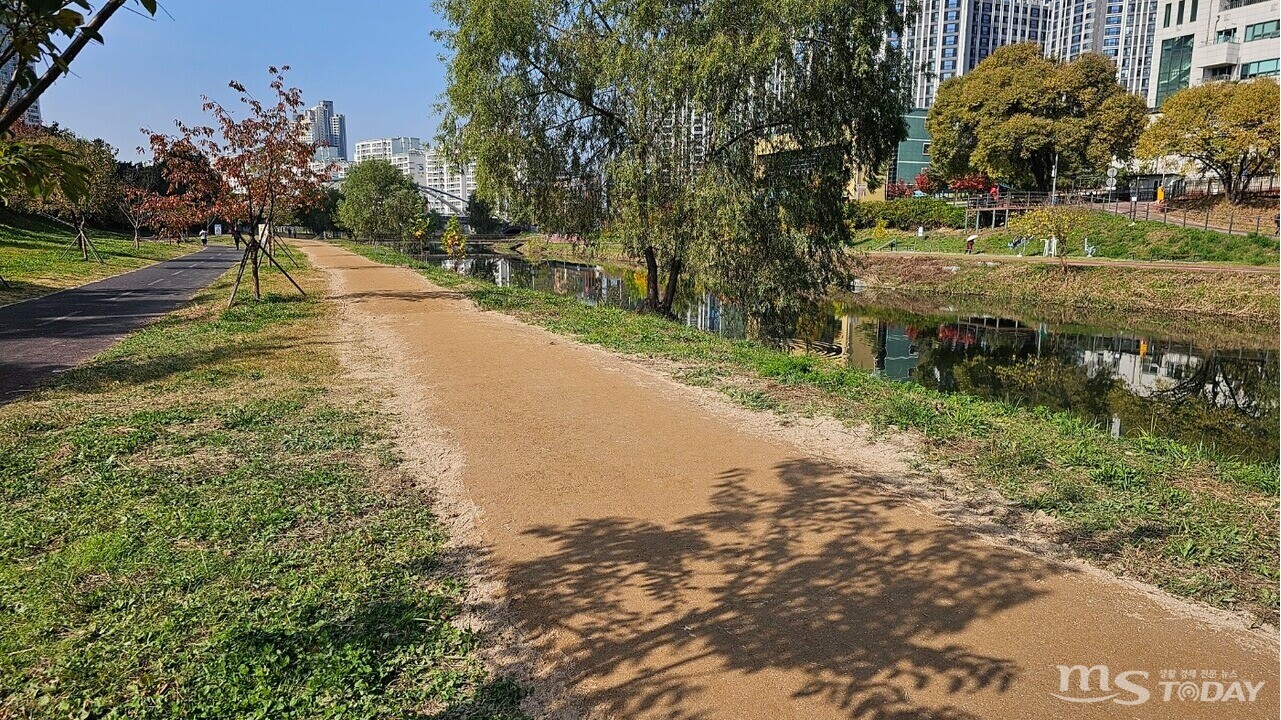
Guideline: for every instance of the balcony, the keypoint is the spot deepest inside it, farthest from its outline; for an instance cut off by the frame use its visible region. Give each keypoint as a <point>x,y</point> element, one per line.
<point>1218,54</point>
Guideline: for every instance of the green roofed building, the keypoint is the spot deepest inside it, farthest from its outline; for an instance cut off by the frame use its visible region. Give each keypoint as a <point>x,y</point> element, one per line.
<point>913,154</point>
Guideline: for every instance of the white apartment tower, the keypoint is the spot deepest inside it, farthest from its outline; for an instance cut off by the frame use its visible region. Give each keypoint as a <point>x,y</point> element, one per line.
<point>1200,41</point>
<point>951,37</point>
<point>427,167</point>
<point>1121,30</point>
<point>459,182</point>
<point>32,115</point>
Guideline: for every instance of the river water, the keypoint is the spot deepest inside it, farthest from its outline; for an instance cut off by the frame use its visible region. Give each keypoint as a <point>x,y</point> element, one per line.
<point>1198,383</point>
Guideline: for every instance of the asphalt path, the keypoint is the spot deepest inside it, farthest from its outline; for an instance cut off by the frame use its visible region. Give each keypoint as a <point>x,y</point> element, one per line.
<point>42,337</point>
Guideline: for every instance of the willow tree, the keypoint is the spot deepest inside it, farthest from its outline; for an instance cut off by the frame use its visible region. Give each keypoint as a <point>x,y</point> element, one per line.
<point>716,136</point>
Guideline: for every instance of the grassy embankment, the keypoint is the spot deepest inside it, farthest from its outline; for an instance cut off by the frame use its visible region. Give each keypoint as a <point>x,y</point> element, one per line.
<point>1163,293</point>
<point>1200,526</point>
<point>1115,237</point>
<point>34,260</point>
<point>209,522</point>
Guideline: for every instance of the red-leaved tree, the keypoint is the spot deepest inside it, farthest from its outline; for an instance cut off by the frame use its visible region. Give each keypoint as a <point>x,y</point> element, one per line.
<point>897,190</point>
<point>925,183</point>
<point>974,182</point>
<point>134,204</point>
<point>247,170</point>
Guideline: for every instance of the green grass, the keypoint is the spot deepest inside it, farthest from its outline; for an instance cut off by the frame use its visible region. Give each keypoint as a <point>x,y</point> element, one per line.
<point>34,260</point>
<point>1198,525</point>
<point>1115,236</point>
<point>207,522</point>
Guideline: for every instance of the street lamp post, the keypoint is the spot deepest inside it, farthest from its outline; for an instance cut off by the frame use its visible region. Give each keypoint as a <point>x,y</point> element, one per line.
<point>1054,180</point>
<point>1054,174</point>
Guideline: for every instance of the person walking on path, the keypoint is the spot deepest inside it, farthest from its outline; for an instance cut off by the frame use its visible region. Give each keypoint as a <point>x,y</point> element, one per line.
<point>204,238</point>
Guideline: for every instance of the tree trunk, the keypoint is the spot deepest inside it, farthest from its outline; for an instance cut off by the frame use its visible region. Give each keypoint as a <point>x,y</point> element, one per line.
<point>674,268</point>
<point>651,280</point>
<point>255,259</point>
<point>81,240</point>
<point>137,238</point>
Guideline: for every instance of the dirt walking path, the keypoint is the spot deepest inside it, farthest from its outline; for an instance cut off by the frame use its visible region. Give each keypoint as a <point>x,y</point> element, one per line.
<point>674,557</point>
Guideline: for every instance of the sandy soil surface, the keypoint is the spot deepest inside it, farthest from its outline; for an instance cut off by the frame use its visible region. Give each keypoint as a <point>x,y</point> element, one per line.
<point>642,549</point>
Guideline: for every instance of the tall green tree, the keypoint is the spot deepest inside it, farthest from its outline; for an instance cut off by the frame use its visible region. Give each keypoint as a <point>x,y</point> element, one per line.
<point>322,216</point>
<point>1018,111</point>
<point>715,136</point>
<point>379,201</point>
<point>480,215</point>
<point>1228,130</point>
<point>98,187</point>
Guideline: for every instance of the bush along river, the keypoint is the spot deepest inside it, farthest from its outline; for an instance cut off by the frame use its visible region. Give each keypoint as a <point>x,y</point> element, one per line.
<point>1206,387</point>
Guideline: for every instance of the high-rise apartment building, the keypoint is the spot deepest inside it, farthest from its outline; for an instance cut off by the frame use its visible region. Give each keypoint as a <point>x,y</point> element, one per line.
<point>327,129</point>
<point>387,148</point>
<point>32,115</point>
<point>1121,30</point>
<point>456,181</point>
<point>447,186</point>
<point>951,37</point>
<point>1200,41</point>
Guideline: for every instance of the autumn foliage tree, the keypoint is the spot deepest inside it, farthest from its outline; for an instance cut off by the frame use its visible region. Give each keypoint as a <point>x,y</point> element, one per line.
<point>249,170</point>
<point>1228,130</point>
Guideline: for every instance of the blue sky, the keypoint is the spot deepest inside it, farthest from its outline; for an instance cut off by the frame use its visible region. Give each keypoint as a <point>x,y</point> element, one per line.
<point>375,59</point>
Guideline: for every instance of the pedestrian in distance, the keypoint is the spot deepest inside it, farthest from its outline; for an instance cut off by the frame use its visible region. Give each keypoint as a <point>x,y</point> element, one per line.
<point>204,238</point>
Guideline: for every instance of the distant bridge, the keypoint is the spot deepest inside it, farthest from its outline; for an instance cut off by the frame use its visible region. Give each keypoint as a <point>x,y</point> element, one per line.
<point>458,204</point>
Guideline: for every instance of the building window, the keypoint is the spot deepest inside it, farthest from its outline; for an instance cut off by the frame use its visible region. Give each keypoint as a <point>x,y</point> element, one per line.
<point>1263,30</point>
<point>1179,14</point>
<point>1229,35</point>
<point>949,65</point>
<point>925,149</point>
<point>1192,11</point>
<point>1176,67</point>
<point>1260,68</point>
<point>949,27</point>
<point>1166,23</point>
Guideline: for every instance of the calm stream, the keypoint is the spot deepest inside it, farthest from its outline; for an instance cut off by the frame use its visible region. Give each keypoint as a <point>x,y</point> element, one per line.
<point>1127,374</point>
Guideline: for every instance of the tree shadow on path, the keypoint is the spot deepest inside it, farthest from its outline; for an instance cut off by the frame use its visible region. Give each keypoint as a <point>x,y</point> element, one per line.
<point>847,595</point>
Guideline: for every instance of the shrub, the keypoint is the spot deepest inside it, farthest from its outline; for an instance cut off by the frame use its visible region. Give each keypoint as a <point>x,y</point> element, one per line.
<point>906,214</point>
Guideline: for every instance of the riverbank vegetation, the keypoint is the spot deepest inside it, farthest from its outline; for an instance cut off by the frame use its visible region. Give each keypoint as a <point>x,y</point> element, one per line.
<point>1239,295</point>
<point>209,521</point>
<point>1193,522</point>
<point>1113,236</point>
<point>39,256</point>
